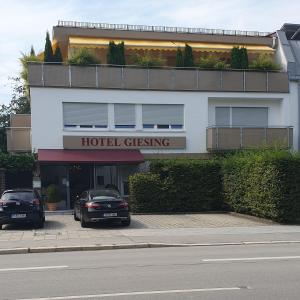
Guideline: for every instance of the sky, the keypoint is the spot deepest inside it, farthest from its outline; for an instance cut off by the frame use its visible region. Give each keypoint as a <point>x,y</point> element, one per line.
<point>24,22</point>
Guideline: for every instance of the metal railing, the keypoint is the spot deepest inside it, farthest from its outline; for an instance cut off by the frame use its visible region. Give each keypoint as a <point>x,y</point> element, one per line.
<point>233,138</point>
<point>147,28</point>
<point>139,78</point>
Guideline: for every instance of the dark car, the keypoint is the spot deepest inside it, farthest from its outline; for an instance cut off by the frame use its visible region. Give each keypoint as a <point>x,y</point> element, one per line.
<point>97,205</point>
<point>21,206</point>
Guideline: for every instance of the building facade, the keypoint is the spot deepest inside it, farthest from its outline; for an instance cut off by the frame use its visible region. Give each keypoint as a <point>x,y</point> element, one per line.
<point>93,126</point>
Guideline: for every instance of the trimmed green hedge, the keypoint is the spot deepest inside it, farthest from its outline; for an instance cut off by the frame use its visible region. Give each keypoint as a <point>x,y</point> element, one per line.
<point>14,163</point>
<point>264,184</point>
<point>178,186</point>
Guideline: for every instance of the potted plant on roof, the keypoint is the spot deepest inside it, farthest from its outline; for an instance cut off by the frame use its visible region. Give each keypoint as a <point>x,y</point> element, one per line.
<point>53,197</point>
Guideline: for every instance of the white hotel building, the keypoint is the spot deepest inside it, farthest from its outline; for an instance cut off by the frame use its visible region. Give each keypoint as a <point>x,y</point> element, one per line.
<point>95,125</point>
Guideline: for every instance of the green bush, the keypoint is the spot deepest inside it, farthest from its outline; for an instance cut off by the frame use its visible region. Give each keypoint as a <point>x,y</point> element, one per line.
<point>264,62</point>
<point>146,193</point>
<point>14,163</point>
<point>264,184</point>
<point>239,58</point>
<point>52,193</point>
<point>82,57</point>
<point>178,186</point>
<point>148,60</point>
<point>211,62</point>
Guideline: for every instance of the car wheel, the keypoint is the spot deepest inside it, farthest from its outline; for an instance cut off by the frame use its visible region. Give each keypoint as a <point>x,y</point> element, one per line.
<point>75,216</point>
<point>83,223</point>
<point>126,222</point>
<point>39,224</point>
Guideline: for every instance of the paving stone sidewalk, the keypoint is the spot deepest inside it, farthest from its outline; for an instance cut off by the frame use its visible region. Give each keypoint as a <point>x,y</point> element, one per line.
<point>62,230</point>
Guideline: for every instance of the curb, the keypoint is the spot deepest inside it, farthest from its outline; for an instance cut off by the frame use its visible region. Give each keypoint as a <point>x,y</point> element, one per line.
<point>132,246</point>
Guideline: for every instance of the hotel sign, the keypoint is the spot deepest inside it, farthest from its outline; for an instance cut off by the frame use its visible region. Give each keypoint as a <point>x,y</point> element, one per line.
<point>123,142</point>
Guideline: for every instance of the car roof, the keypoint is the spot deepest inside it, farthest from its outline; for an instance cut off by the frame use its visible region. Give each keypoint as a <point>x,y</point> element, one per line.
<point>18,190</point>
<point>103,190</point>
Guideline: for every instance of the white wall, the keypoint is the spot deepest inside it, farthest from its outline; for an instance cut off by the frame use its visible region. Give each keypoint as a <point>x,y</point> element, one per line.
<point>47,120</point>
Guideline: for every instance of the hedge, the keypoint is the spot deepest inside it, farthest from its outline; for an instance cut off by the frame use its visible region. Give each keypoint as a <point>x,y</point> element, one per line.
<point>178,186</point>
<point>14,163</point>
<point>264,184</point>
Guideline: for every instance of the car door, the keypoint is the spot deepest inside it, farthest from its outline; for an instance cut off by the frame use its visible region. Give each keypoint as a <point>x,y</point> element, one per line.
<point>81,201</point>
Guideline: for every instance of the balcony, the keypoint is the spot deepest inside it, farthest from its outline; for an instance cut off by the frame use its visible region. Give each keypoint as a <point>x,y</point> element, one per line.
<point>234,138</point>
<point>167,79</point>
<point>19,134</point>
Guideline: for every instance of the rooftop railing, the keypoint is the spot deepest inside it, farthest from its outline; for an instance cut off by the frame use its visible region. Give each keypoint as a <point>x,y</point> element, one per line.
<point>147,28</point>
<point>172,79</point>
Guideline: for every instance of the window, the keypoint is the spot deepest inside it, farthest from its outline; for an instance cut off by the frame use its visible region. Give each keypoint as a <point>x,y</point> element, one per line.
<point>242,116</point>
<point>124,115</point>
<point>85,115</point>
<point>162,116</point>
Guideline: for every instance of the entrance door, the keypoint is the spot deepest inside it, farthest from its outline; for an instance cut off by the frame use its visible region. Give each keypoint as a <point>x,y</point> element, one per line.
<point>81,178</point>
<point>106,176</point>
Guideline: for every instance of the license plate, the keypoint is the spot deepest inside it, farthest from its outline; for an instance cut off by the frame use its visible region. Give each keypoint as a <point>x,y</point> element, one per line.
<point>18,216</point>
<point>110,215</point>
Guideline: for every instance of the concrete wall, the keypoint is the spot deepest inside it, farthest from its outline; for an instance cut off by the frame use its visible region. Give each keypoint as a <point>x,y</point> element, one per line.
<point>47,119</point>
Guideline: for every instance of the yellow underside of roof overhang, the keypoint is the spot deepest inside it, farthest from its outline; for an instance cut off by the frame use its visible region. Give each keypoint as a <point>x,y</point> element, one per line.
<point>164,45</point>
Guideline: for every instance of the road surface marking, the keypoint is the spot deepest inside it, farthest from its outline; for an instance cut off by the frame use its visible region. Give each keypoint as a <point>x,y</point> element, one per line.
<point>138,293</point>
<point>250,258</point>
<point>33,268</point>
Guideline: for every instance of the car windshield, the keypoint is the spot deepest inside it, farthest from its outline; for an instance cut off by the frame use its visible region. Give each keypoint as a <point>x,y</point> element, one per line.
<point>107,193</point>
<point>24,196</point>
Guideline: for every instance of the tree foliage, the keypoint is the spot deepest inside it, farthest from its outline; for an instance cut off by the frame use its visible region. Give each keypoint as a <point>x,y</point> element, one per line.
<point>48,52</point>
<point>116,53</point>
<point>57,56</point>
<point>82,57</point>
<point>239,58</point>
<point>188,59</point>
<point>179,58</point>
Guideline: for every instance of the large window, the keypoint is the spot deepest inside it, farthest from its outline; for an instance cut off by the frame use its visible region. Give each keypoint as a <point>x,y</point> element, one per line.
<point>162,116</point>
<point>85,115</point>
<point>242,116</point>
<point>124,115</point>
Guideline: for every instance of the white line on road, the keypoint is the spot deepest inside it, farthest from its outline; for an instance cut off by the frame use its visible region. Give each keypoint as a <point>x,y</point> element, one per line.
<point>250,258</point>
<point>137,293</point>
<point>33,268</point>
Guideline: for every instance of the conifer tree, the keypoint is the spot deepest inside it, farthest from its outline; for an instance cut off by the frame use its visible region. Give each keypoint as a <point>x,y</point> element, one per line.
<point>244,58</point>
<point>111,53</point>
<point>188,60</point>
<point>121,54</point>
<point>179,58</point>
<point>32,52</point>
<point>57,57</point>
<point>48,53</point>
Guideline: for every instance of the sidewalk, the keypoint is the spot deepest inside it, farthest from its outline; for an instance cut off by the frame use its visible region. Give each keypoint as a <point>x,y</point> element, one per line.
<point>63,231</point>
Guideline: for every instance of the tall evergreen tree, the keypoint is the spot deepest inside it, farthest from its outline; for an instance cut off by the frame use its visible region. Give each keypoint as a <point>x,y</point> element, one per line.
<point>179,58</point>
<point>57,57</point>
<point>48,53</point>
<point>244,58</point>
<point>235,58</point>
<point>121,54</point>
<point>239,58</point>
<point>111,53</point>
<point>188,60</point>
<point>32,52</point>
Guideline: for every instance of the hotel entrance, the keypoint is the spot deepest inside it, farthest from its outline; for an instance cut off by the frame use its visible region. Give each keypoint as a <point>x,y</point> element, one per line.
<point>74,171</point>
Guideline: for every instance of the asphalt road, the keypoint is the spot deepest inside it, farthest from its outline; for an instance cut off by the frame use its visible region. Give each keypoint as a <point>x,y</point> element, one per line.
<point>221,272</point>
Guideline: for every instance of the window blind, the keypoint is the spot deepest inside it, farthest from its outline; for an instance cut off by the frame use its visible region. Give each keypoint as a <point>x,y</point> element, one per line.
<point>124,114</point>
<point>162,114</point>
<point>88,114</point>
<point>222,116</point>
<point>250,116</point>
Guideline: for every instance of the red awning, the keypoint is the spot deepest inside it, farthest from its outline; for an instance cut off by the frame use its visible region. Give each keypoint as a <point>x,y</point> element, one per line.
<point>91,156</point>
